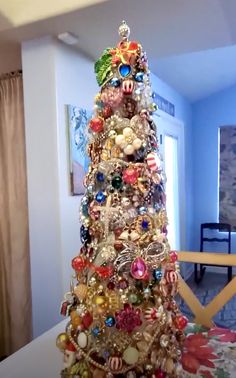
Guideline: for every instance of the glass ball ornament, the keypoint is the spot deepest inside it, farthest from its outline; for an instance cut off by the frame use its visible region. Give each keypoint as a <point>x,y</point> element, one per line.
<point>62,341</point>
<point>115,82</point>
<point>100,197</point>
<point>157,274</point>
<point>110,321</point>
<point>181,322</point>
<point>96,124</point>
<point>117,182</point>
<point>139,77</point>
<point>173,256</point>
<point>100,177</point>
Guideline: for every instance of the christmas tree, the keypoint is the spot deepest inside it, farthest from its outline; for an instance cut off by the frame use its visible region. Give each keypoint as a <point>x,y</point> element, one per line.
<point>124,321</point>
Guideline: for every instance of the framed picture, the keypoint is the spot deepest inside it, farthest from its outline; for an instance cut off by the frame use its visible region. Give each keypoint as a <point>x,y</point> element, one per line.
<point>78,119</point>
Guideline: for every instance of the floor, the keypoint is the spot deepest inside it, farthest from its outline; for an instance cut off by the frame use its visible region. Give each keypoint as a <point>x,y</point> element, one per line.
<point>205,291</point>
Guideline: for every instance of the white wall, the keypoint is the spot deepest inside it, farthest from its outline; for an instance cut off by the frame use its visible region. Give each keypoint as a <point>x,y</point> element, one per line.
<point>54,75</point>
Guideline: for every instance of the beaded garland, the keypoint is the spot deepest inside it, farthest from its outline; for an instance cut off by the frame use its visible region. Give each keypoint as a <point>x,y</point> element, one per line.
<point>124,321</point>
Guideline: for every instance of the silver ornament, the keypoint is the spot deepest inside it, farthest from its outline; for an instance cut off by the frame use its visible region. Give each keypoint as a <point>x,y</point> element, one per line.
<point>124,31</point>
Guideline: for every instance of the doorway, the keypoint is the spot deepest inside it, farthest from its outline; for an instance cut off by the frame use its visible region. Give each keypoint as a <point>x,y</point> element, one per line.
<point>171,143</point>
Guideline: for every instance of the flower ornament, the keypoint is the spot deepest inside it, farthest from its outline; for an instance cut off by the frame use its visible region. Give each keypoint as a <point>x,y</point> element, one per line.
<point>128,141</point>
<point>128,318</point>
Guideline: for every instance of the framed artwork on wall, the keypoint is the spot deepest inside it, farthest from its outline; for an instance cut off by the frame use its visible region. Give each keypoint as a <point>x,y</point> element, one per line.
<point>78,119</point>
<point>227,176</point>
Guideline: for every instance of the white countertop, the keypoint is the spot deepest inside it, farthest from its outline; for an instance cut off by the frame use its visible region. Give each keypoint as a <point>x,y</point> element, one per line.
<point>38,359</point>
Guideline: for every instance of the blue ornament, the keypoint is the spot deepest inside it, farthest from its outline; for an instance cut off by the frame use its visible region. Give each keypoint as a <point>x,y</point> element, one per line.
<point>84,234</point>
<point>100,104</point>
<point>106,354</point>
<point>142,210</point>
<point>115,82</point>
<point>84,209</point>
<point>96,331</point>
<point>100,197</point>
<point>125,70</point>
<point>145,224</point>
<point>110,321</point>
<point>139,77</point>
<point>157,274</point>
<point>100,177</point>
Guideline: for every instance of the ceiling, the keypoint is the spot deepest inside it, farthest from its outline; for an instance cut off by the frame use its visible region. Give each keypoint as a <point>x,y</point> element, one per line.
<point>190,44</point>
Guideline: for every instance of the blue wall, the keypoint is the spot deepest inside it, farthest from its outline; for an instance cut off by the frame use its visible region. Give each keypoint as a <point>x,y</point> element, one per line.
<point>217,110</point>
<point>183,111</point>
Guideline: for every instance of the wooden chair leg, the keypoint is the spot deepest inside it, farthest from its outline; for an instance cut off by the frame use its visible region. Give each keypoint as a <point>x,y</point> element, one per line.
<point>229,273</point>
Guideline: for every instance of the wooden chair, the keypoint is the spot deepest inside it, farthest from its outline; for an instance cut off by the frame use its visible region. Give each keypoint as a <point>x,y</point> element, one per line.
<point>203,315</point>
<point>222,227</point>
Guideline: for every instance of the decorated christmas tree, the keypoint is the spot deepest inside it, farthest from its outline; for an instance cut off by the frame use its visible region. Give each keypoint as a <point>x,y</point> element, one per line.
<point>123,318</point>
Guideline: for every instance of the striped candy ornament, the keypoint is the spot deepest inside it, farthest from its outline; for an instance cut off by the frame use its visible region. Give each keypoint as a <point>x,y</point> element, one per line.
<point>127,86</point>
<point>151,314</point>
<point>171,276</point>
<point>153,161</point>
<point>115,363</point>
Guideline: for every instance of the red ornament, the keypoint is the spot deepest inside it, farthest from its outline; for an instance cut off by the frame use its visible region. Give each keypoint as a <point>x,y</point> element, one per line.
<point>118,245</point>
<point>87,320</point>
<point>107,111</point>
<point>111,285</point>
<point>159,374</point>
<point>104,271</point>
<point>127,87</point>
<point>96,124</point>
<point>130,176</point>
<point>173,256</point>
<point>70,347</point>
<point>79,263</point>
<point>181,321</point>
<point>115,60</point>
<point>171,276</point>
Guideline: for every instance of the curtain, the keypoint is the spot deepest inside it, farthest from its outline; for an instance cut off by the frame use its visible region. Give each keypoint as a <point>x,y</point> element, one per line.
<point>15,290</point>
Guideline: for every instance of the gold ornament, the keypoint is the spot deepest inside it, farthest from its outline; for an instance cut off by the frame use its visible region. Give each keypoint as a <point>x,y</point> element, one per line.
<point>81,291</point>
<point>62,340</point>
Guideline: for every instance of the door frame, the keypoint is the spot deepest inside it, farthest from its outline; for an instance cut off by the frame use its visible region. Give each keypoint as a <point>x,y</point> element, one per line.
<point>177,132</point>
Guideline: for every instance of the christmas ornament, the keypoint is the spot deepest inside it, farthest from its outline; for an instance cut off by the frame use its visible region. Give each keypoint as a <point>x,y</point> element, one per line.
<point>96,124</point>
<point>123,319</point>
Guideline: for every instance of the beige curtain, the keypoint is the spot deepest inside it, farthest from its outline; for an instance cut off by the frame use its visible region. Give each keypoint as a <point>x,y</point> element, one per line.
<point>15,290</point>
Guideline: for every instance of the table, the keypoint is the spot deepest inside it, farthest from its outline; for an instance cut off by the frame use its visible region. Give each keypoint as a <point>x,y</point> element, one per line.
<point>207,354</point>
<point>38,359</point>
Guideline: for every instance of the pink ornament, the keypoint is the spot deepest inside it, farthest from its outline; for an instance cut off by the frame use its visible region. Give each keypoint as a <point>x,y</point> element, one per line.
<point>139,269</point>
<point>160,374</point>
<point>127,86</point>
<point>112,96</point>
<point>173,256</point>
<point>153,161</point>
<point>171,276</point>
<point>128,318</point>
<point>130,176</point>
